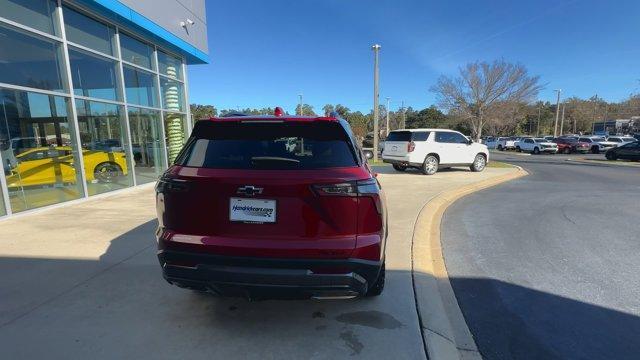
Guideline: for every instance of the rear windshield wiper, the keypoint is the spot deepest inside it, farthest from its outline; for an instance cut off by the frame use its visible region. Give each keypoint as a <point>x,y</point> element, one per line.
<point>274,158</point>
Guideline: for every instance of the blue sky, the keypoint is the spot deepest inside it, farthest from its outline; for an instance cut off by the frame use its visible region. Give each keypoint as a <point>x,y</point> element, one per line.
<point>264,53</point>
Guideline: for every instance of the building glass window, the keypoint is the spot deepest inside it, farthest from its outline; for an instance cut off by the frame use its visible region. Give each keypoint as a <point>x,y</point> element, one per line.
<point>38,14</point>
<point>172,94</point>
<point>175,129</point>
<point>93,76</point>
<point>135,51</point>
<point>140,87</point>
<point>30,61</point>
<point>104,142</point>
<point>38,150</point>
<point>169,65</point>
<point>88,32</point>
<point>147,144</point>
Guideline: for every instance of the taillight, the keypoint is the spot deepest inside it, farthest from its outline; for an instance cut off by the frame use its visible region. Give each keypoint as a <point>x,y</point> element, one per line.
<point>361,188</point>
<point>168,184</point>
<point>411,146</point>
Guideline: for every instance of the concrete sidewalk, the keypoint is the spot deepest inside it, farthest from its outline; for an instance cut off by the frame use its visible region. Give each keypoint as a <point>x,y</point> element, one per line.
<point>84,282</point>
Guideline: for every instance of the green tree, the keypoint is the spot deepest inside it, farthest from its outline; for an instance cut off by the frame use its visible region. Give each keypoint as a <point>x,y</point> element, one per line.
<point>307,110</point>
<point>200,112</point>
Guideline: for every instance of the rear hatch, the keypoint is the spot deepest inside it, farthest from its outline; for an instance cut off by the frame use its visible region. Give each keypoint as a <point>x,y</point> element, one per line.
<point>397,143</point>
<point>252,188</point>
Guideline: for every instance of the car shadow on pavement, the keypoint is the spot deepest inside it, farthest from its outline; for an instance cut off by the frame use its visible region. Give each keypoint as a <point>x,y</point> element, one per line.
<point>118,306</point>
<point>382,169</point>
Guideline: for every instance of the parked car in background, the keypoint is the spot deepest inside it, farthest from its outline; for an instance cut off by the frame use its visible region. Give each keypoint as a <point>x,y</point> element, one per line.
<point>621,140</point>
<point>568,145</point>
<point>490,141</point>
<point>597,143</point>
<point>548,137</point>
<point>242,214</point>
<point>433,149</point>
<point>628,151</point>
<point>537,146</point>
<point>506,143</point>
<point>44,166</point>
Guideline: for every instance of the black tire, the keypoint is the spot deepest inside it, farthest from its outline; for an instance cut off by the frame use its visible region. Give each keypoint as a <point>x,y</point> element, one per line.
<point>611,156</point>
<point>377,287</point>
<point>595,150</point>
<point>107,172</point>
<point>479,163</point>
<point>536,150</point>
<point>399,167</point>
<point>567,150</point>
<point>430,165</point>
<point>500,148</point>
<point>518,149</point>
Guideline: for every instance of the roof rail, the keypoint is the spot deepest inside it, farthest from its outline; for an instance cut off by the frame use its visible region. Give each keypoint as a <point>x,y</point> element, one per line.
<point>231,114</point>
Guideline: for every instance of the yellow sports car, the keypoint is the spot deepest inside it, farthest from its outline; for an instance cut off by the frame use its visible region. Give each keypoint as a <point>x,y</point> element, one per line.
<point>54,165</point>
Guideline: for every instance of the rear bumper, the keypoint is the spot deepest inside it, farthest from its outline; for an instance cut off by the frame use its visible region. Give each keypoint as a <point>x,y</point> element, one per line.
<point>267,277</point>
<point>400,160</point>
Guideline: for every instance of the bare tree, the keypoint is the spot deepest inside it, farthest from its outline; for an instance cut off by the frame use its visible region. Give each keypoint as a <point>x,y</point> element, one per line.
<point>480,86</point>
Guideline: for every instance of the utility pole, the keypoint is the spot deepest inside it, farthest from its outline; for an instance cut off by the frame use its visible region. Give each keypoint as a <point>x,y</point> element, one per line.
<point>595,110</point>
<point>562,121</point>
<point>555,128</point>
<point>376,131</point>
<point>404,119</point>
<point>538,127</point>
<point>387,124</point>
<point>301,111</point>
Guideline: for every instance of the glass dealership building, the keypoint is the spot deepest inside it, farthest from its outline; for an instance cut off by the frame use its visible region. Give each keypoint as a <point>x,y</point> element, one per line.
<point>93,95</point>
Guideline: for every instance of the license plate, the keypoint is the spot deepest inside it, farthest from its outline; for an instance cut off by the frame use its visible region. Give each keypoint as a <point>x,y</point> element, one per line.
<point>252,210</point>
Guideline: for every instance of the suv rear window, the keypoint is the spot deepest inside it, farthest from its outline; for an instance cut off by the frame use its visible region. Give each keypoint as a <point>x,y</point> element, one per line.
<point>268,146</point>
<point>399,136</point>
<point>408,136</point>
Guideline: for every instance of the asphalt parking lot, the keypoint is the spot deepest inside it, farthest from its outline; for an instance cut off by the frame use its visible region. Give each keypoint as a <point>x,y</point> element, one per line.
<point>91,288</point>
<point>546,266</point>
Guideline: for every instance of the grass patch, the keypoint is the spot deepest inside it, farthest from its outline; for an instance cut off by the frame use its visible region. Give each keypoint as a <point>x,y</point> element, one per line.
<point>499,164</point>
<point>377,163</point>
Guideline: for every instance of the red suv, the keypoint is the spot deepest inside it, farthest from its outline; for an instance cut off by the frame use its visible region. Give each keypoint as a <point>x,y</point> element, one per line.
<point>272,206</point>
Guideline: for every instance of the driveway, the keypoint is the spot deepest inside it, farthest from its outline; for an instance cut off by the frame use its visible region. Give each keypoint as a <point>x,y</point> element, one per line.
<point>82,281</point>
<point>546,266</point>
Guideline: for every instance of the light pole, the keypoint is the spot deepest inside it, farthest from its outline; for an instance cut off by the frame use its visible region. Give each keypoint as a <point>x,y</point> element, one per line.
<point>562,120</point>
<point>538,127</point>
<point>555,128</point>
<point>376,131</point>
<point>387,124</point>
<point>403,117</point>
<point>301,111</point>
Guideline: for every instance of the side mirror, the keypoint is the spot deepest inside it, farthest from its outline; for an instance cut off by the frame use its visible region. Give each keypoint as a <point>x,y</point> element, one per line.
<point>470,141</point>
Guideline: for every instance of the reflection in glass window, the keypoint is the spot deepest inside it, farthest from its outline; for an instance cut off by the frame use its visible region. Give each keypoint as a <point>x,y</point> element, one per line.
<point>172,94</point>
<point>175,130</point>
<point>135,51</point>
<point>92,75</point>
<point>38,150</point>
<point>104,142</point>
<point>147,143</point>
<point>140,87</point>
<point>38,14</point>
<point>88,32</point>
<point>169,65</point>
<point>29,61</point>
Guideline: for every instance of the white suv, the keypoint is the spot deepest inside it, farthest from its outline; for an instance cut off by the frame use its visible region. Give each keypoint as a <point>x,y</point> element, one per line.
<point>431,149</point>
<point>537,146</point>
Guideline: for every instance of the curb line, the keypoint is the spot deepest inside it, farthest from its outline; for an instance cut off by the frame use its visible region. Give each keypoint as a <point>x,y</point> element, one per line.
<point>444,329</point>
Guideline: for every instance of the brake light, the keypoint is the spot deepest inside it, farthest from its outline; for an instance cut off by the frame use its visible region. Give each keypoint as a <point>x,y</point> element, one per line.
<point>361,188</point>
<point>278,111</point>
<point>411,146</point>
<point>167,184</point>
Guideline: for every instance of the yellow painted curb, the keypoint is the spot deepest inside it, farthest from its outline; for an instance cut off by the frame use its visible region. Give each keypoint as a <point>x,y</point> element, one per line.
<point>445,331</point>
